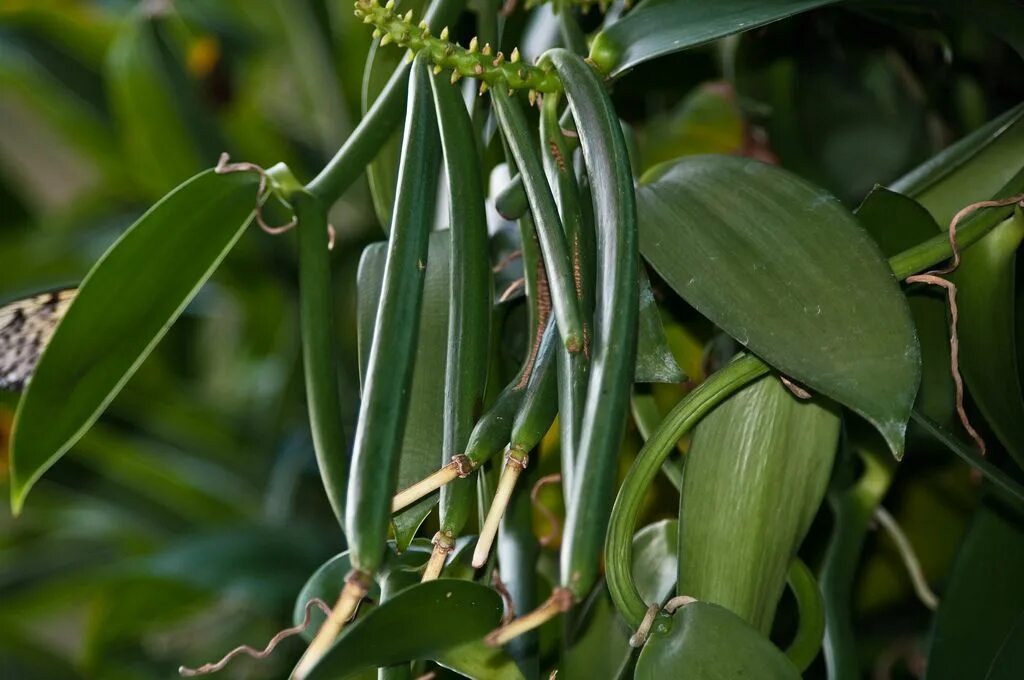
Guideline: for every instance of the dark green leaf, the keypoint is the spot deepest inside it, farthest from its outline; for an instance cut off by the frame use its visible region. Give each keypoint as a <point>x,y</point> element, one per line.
<point>475,659</point>
<point>124,306</point>
<point>420,622</point>
<point>1010,659</point>
<point>659,27</point>
<point>421,448</point>
<point>782,267</point>
<point>984,599</point>
<point>711,643</point>
<point>988,354</point>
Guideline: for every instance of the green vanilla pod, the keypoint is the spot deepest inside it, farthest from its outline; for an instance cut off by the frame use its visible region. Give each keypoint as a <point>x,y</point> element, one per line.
<point>469,314</point>
<point>613,346</point>
<point>573,367</point>
<point>545,214</point>
<point>319,348</point>
<point>381,422</point>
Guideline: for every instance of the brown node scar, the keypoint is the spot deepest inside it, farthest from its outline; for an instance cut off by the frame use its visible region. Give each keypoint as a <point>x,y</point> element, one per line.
<point>556,526</point>
<point>556,153</point>
<point>935,278</point>
<point>208,668</point>
<point>224,166</point>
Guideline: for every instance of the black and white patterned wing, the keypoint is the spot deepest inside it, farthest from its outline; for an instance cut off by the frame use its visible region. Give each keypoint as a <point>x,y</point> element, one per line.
<point>26,326</point>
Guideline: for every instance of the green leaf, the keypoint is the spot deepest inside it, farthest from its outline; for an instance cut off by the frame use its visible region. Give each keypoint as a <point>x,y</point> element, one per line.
<point>711,643</point>
<point>984,598</point>
<point>782,267</point>
<point>124,306</point>
<point>476,659</point>
<point>382,172</point>
<point>654,360</point>
<point>421,622</point>
<point>421,447</point>
<point>988,354</point>
<point>754,477</point>
<point>155,136</point>
<point>659,27</point>
<point>1010,659</point>
<point>897,223</point>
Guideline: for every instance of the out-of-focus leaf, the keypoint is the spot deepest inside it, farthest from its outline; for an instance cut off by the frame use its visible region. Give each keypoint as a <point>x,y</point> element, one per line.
<point>421,447</point>
<point>655,28</point>
<point>1010,658</point>
<point>708,120</point>
<point>124,306</point>
<point>753,480</point>
<point>433,617</point>
<point>711,643</point>
<point>654,360</point>
<point>984,598</point>
<point>603,643</point>
<point>898,222</point>
<point>988,353</point>
<point>156,138</point>
<point>782,267</point>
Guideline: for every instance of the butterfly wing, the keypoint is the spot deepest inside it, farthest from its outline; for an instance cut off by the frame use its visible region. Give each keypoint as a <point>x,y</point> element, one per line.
<point>26,326</point>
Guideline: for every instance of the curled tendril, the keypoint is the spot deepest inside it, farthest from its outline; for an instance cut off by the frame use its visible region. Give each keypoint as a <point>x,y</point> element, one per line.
<point>490,68</point>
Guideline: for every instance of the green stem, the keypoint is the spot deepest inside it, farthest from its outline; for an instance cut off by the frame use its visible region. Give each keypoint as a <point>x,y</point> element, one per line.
<point>811,606</point>
<point>626,511</point>
<point>378,124</point>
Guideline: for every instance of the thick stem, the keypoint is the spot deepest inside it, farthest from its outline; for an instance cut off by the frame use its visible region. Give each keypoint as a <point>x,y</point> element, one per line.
<point>444,543</point>
<point>460,466</point>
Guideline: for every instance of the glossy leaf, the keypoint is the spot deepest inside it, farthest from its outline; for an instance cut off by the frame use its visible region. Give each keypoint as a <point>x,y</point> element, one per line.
<point>898,222</point>
<point>421,447</point>
<point>124,306</point>
<point>754,477</point>
<point>433,617</point>
<point>984,598</point>
<point>711,643</point>
<point>655,28</point>
<point>782,267</point>
<point>986,299</point>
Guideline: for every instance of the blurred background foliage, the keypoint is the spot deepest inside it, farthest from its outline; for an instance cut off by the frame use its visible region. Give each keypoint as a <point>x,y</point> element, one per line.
<point>187,521</point>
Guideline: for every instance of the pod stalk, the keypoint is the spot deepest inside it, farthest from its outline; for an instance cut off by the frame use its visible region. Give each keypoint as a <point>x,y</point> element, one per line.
<point>560,601</point>
<point>459,466</point>
<point>444,543</point>
<point>357,585</point>
<point>515,463</point>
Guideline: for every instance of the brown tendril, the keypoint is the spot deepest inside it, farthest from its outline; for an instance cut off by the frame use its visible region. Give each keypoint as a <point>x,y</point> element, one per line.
<point>205,669</point>
<point>552,519</point>
<point>506,596</point>
<point>935,278</point>
<point>224,166</point>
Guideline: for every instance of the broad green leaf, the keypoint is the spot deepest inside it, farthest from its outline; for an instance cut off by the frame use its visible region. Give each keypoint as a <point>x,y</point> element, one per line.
<point>711,643</point>
<point>124,306</point>
<point>754,477</point>
<point>654,360</point>
<point>420,622</point>
<point>475,659</point>
<point>655,28</point>
<point>984,598</point>
<point>1010,659</point>
<point>988,354</point>
<point>782,267</point>
<point>603,641</point>
<point>156,138</point>
<point>898,222</point>
<point>421,448</point>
